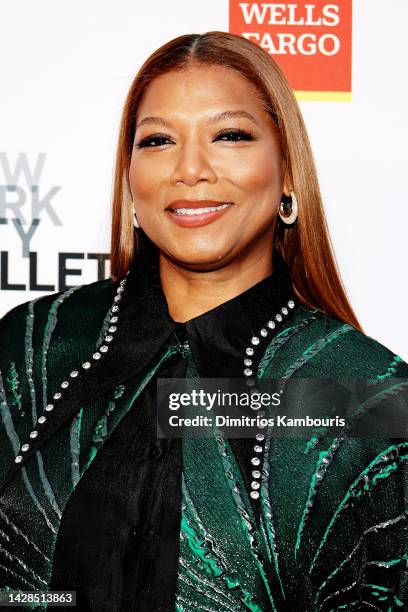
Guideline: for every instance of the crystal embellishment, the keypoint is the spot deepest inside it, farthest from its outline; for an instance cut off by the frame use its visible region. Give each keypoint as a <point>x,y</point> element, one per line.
<point>260,437</point>
<point>86,365</point>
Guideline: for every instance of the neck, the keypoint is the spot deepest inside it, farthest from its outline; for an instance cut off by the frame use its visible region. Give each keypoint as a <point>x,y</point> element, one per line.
<point>190,293</point>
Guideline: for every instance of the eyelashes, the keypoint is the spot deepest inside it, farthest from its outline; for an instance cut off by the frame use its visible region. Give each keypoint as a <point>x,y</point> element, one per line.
<point>161,138</point>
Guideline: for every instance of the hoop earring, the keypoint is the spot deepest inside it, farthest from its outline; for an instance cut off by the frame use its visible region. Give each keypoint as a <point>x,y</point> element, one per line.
<point>135,220</point>
<point>288,209</point>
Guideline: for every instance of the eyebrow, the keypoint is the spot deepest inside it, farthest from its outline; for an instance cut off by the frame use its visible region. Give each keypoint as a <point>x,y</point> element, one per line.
<point>215,118</point>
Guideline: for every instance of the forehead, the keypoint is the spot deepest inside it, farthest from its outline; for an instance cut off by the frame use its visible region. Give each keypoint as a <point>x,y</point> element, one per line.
<point>211,87</point>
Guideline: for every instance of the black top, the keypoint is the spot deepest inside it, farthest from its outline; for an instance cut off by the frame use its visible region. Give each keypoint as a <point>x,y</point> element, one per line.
<point>118,543</point>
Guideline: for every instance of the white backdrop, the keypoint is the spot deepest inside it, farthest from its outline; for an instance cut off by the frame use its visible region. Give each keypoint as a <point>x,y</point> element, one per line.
<point>66,68</point>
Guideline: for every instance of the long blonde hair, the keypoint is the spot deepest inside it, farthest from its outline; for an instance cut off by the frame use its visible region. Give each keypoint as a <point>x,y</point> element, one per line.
<point>306,245</point>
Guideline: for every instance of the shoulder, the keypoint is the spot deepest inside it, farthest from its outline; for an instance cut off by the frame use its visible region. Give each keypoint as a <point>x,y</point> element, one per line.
<point>316,344</point>
<point>78,310</point>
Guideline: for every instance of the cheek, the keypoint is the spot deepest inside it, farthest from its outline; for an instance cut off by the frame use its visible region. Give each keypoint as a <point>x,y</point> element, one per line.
<point>260,175</point>
<point>259,170</point>
<point>142,181</point>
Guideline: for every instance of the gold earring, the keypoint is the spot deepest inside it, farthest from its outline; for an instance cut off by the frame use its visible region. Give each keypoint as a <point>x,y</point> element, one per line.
<point>288,209</point>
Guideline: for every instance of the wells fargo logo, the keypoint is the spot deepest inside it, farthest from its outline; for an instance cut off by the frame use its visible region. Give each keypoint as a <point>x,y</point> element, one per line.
<point>311,42</point>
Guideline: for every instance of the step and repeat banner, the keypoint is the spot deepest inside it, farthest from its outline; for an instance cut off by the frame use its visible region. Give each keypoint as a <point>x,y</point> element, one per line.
<point>67,67</point>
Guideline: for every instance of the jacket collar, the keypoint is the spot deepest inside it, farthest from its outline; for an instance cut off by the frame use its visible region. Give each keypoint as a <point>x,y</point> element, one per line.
<point>217,338</point>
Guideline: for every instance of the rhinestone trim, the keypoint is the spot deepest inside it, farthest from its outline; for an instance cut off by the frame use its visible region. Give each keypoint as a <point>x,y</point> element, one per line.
<point>260,437</point>
<point>85,366</point>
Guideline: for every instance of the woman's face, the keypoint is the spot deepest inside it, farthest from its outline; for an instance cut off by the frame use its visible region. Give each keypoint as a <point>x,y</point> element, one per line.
<point>186,149</point>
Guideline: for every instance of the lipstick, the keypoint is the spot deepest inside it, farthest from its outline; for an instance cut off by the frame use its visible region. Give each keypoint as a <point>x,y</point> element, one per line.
<point>195,213</point>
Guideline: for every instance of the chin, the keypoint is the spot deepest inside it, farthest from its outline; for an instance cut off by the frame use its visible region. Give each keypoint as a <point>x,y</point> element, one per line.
<point>200,259</point>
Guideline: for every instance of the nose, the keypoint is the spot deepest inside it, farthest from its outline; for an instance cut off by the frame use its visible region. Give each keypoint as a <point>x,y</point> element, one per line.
<point>193,164</point>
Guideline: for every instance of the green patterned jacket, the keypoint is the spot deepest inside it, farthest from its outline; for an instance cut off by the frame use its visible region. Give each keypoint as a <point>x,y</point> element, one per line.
<point>333,532</point>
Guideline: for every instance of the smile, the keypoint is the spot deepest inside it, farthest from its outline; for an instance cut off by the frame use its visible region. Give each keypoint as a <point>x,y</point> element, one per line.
<point>199,211</point>
<point>196,217</point>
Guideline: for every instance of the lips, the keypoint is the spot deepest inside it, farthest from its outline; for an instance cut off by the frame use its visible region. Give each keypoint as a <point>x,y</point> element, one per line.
<point>182,212</point>
<point>194,204</point>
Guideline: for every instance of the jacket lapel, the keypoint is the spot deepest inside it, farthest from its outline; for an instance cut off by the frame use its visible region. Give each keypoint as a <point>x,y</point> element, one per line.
<point>131,349</point>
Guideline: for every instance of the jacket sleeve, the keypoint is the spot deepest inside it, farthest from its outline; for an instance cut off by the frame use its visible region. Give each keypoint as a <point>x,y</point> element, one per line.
<point>40,341</point>
<point>350,503</point>
<point>16,561</point>
<point>14,366</point>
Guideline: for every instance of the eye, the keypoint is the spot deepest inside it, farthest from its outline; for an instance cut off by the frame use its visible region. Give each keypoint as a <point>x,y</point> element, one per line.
<point>235,134</point>
<point>149,140</point>
<point>232,135</point>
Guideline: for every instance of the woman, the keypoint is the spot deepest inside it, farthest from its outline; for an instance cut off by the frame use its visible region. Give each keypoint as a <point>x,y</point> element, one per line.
<point>92,500</point>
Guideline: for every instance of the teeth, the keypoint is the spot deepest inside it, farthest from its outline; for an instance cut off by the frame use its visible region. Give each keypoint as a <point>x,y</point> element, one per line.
<point>198,211</point>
